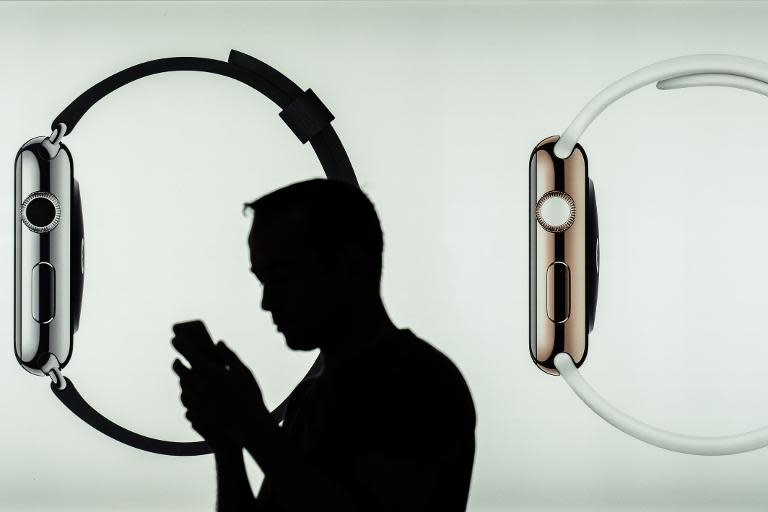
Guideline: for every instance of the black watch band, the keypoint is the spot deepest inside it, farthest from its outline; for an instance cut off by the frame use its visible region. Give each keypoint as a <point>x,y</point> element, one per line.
<point>75,402</point>
<point>304,114</point>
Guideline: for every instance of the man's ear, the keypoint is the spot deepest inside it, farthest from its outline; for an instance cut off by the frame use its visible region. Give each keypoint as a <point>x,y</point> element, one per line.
<point>356,264</point>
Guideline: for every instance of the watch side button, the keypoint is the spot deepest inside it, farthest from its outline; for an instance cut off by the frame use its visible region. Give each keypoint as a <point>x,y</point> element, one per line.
<point>43,292</point>
<point>558,292</point>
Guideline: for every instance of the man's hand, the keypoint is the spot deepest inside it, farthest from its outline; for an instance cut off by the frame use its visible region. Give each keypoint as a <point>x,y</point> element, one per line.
<point>223,400</point>
<point>190,381</point>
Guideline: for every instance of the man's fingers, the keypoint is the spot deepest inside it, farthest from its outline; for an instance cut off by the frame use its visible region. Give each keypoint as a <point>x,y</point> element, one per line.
<point>202,417</point>
<point>195,419</point>
<point>180,369</point>
<point>229,357</point>
<point>192,381</point>
<point>201,393</point>
<point>187,349</point>
<point>188,378</point>
<point>204,363</point>
<point>195,352</point>
<point>189,399</point>
<point>225,352</point>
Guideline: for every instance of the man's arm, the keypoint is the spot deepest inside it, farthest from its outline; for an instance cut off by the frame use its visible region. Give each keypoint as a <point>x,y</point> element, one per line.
<point>296,484</point>
<point>233,491</point>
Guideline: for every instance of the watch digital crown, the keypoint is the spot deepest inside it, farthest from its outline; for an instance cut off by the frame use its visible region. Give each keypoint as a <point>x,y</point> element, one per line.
<point>555,211</point>
<point>41,211</point>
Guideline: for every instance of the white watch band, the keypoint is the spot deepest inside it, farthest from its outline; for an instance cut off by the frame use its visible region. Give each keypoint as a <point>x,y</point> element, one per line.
<point>696,445</point>
<point>689,71</point>
<point>735,81</point>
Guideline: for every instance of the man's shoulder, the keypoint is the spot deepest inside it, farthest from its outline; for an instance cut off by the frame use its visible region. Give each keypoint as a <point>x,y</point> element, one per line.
<point>416,355</point>
<point>423,373</point>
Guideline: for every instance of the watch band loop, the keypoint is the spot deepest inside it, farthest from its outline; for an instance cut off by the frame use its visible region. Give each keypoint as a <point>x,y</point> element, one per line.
<point>687,71</point>
<point>70,397</point>
<point>682,443</point>
<point>268,74</point>
<point>306,116</point>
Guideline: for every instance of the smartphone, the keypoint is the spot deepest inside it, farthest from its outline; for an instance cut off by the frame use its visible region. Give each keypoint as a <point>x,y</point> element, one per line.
<point>194,329</point>
<point>196,336</point>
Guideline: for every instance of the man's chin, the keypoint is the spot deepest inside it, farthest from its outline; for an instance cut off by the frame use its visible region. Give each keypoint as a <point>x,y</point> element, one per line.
<point>295,344</point>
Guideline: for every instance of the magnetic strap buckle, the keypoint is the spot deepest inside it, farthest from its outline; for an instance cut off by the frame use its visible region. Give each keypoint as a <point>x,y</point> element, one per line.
<point>306,116</point>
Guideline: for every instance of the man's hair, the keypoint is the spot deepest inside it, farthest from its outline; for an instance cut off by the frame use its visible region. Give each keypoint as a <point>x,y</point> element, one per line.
<point>334,214</point>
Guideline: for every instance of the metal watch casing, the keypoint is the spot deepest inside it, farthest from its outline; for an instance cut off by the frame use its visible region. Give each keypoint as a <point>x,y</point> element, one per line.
<point>49,256</point>
<point>564,256</point>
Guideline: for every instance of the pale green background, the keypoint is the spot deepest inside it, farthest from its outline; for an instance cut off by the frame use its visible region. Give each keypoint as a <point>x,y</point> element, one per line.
<point>439,106</point>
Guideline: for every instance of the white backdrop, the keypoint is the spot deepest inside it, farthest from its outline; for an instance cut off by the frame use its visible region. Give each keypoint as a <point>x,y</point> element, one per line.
<point>438,106</point>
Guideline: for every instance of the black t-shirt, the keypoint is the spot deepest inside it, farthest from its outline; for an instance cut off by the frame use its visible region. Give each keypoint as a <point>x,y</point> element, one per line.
<point>396,421</point>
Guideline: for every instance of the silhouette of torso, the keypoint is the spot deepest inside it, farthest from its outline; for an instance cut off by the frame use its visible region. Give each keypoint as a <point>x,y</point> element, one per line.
<point>398,404</point>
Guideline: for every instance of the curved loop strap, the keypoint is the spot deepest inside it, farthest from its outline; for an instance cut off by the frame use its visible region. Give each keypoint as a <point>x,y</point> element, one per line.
<point>70,397</point>
<point>714,79</point>
<point>307,117</point>
<point>689,66</point>
<point>302,111</point>
<point>695,445</point>
<point>75,402</point>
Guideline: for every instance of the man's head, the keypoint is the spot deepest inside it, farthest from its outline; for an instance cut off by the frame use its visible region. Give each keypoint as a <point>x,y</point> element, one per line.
<point>316,248</point>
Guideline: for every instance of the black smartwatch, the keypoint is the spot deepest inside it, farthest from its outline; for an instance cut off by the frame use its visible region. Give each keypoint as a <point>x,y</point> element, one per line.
<point>49,258</point>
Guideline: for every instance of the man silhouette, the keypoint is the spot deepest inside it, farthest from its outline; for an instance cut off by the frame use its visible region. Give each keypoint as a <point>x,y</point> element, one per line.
<point>387,424</point>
